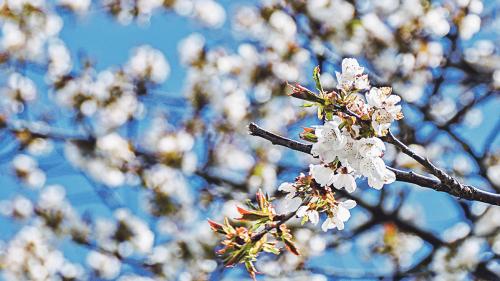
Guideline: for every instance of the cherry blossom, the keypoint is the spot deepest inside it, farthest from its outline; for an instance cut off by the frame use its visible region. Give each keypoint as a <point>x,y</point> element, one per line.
<point>346,181</point>
<point>352,77</point>
<point>340,214</point>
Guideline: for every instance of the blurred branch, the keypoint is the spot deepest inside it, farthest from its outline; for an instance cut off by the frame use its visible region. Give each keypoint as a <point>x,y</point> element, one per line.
<point>382,216</point>
<point>459,115</point>
<point>490,139</point>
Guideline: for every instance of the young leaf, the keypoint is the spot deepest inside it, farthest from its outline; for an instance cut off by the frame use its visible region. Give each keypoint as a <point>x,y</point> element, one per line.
<point>228,228</point>
<point>290,246</point>
<point>316,77</point>
<point>271,249</point>
<point>219,228</point>
<point>301,92</point>
<point>251,269</point>
<point>247,215</point>
<point>308,135</point>
<point>235,258</point>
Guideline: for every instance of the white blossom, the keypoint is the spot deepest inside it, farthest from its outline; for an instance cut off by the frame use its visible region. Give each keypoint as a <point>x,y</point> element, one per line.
<point>321,174</point>
<point>312,215</point>
<point>352,76</point>
<point>288,188</point>
<point>346,181</point>
<point>340,216</point>
<point>469,26</point>
<point>330,140</point>
<point>106,266</point>
<point>376,172</point>
<point>370,147</point>
<point>78,6</point>
<point>210,13</point>
<point>21,87</point>
<point>435,21</point>
<point>148,63</point>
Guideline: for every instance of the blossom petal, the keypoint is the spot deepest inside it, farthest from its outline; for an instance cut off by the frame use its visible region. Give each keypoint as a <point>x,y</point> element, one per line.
<point>321,174</point>
<point>302,211</point>
<point>343,214</point>
<point>349,204</point>
<point>313,216</point>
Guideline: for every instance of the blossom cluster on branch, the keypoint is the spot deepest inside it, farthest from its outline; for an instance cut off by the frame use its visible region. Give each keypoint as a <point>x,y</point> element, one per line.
<point>348,145</point>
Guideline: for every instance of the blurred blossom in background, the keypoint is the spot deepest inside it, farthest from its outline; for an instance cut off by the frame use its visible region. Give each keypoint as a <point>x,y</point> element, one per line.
<point>123,127</point>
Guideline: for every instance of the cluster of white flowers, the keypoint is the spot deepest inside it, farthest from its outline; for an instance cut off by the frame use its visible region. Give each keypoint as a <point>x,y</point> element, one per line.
<point>455,264</point>
<point>352,77</point>
<point>112,155</point>
<point>241,77</point>
<point>92,98</point>
<point>147,63</point>
<point>385,108</point>
<point>278,32</point>
<point>104,265</point>
<point>111,95</point>
<point>77,6</point>
<point>59,60</point>
<point>161,137</point>
<point>337,211</point>
<point>18,91</point>
<point>115,148</point>
<point>58,213</point>
<point>207,12</point>
<point>127,235</point>
<point>357,156</point>
<point>347,150</point>
<point>27,26</point>
<point>164,180</point>
<point>340,215</point>
<point>322,10</point>
<point>31,255</point>
<point>471,22</point>
<point>19,207</point>
<point>27,170</point>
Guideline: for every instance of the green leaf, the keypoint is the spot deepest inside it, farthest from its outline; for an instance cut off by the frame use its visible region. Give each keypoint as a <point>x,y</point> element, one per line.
<point>251,269</point>
<point>304,220</point>
<point>271,249</point>
<point>301,92</point>
<point>316,77</point>
<point>250,205</point>
<point>235,257</point>
<point>227,227</point>
<point>251,215</point>
<point>329,115</point>
<point>320,112</point>
<point>308,136</point>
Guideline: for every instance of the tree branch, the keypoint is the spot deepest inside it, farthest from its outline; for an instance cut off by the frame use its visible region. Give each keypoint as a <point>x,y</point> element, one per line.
<point>449,184</point>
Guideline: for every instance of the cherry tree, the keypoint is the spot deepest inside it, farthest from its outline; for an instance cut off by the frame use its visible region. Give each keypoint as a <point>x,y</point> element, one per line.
<point>319,139</point>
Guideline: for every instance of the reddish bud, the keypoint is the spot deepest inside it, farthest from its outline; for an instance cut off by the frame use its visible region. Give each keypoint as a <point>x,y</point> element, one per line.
<point>216,226</point>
